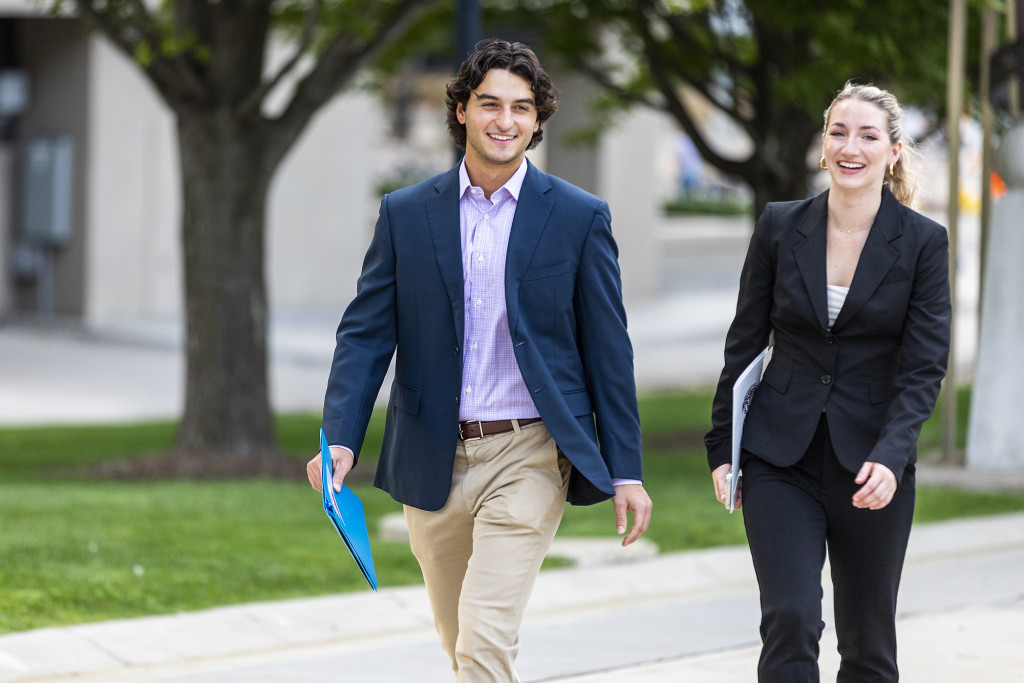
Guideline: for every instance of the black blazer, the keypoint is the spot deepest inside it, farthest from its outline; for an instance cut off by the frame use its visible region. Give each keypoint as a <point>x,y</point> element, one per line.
<point>565,315</point>
<point>876,374</point>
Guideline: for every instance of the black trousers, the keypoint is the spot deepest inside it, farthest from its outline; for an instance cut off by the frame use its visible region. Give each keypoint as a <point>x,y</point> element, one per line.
<point>792,515</point>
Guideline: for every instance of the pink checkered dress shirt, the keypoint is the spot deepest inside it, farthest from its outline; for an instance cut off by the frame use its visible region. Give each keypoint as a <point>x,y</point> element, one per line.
<point>492,386</point>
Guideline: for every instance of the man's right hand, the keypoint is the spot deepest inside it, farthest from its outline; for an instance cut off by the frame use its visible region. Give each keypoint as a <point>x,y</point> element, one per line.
<point>342,461</point>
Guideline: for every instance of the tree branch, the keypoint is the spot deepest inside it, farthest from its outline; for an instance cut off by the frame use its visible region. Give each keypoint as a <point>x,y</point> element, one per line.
<point>600,76</point>
<point>172,77</point>
<point>309,24</point>
<point>674,105</point>
<point>343,57</point>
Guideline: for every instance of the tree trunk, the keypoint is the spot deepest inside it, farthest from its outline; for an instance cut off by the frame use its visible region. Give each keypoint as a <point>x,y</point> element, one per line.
<point>224,184</point>
<point>768,188</point>
<point>778,172</point>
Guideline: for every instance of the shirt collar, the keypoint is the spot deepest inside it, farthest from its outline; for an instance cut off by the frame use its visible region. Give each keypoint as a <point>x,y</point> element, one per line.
<point>514,184</point>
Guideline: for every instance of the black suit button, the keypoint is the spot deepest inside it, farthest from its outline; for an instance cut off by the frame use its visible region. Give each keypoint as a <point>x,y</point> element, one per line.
<point>456,399</point>
<point>829,338</point>
<point>455,351</point>
<point>826,379</point>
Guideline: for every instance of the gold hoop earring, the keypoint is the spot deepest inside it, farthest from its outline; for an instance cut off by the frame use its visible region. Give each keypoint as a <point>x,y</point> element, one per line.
<point>890,169</point>
<point>821,163</point>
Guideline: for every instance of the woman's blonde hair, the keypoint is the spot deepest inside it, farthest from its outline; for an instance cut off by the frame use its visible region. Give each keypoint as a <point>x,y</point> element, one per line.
<point>903,179</point>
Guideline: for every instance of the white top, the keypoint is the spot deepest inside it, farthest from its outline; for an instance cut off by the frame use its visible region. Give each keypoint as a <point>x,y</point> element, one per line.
<point>836,299</point>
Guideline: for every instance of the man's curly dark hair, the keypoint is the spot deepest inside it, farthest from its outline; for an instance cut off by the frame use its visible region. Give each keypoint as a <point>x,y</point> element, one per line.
<point>494,53</point>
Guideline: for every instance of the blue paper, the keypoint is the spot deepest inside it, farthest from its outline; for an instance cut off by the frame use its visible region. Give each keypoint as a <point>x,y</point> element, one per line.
<point>345,511</point>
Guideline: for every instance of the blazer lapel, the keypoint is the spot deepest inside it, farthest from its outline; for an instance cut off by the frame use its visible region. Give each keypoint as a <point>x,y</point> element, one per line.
<point>876,259</point>
<point>445,233</point>
<point>532,212</point>
<point>810,255</point>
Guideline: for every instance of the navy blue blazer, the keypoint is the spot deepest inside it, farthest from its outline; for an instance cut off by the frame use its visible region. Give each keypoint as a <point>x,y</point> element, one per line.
<point>877,373</point>
<point>565,315</point>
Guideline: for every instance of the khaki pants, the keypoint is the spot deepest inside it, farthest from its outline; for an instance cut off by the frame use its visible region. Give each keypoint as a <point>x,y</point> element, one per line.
<point>481,553</point>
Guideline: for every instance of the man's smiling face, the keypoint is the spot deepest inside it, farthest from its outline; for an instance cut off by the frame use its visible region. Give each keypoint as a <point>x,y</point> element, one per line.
<point>500,119</point>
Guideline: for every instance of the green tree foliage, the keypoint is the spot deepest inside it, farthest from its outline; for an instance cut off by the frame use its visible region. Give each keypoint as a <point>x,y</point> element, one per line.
<point>770,66</point>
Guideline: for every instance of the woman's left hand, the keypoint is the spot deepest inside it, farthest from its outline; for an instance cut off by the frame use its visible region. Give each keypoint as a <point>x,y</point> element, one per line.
<point>878,489</point>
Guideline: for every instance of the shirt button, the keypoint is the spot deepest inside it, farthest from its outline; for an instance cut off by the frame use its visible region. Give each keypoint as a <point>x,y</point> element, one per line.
<point>486,216</point>
<point>469,390</point>
<point>479,302</point>
<point>480,259</point>
<point>826,379</point>
<point>474,347</point>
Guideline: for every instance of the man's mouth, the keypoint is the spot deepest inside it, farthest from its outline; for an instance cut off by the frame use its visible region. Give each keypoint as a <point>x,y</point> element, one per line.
<point>501,138</point>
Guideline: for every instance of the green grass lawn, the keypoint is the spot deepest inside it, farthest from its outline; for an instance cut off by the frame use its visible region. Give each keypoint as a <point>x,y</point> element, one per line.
<point>75,548</point>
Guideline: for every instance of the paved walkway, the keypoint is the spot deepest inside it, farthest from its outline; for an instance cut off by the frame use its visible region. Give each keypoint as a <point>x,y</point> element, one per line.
<point>675,617</point>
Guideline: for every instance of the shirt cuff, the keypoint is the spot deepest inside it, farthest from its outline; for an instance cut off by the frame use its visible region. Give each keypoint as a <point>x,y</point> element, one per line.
<point>338,445</point>
<point>623,482</point>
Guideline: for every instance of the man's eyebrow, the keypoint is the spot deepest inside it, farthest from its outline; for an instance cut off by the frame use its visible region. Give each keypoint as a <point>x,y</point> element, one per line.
<point>487,96</point>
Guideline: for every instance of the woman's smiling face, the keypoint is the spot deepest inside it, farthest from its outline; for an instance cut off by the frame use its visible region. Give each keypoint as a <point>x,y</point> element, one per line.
<point>857,147</point>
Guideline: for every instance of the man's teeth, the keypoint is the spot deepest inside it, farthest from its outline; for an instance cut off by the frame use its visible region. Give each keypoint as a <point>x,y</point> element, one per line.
<point>503,138</point>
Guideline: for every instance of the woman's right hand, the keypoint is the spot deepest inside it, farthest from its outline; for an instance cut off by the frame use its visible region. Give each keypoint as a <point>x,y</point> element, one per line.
<point>721,490</point>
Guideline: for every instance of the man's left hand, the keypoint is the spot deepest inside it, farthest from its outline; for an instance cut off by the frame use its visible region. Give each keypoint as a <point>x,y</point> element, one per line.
<point>632,497</point>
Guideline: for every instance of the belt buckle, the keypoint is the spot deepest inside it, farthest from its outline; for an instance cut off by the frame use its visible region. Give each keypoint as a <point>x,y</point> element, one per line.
<point>479,424</point>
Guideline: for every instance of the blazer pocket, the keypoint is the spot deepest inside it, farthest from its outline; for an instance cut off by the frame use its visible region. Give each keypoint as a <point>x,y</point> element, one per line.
<point>406,398</point>
<point>777,377</point>
<point>546,271</point>
<point>880,392</point>
<point>578,402</point>
<point>896,275</point>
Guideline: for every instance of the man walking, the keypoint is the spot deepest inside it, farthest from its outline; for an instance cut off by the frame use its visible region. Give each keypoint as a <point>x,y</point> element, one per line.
<point>498,287</point>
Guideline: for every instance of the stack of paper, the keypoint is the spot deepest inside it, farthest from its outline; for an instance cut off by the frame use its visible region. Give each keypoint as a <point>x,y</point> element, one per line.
<point>742,394</point>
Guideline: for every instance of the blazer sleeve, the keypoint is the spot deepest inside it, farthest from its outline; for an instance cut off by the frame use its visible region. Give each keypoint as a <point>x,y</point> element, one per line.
<point>606,351</point>
<point>924,353</point>
<point>748,335</point>
<point>366,340</point>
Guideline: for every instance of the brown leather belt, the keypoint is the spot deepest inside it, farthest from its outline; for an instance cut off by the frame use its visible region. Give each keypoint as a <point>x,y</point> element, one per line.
<point>475,429</point>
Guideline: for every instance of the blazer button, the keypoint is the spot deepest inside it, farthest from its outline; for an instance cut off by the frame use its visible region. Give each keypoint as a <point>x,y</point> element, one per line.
<point>826,379</point>
<point>455,351</point>
<point>829,338</point>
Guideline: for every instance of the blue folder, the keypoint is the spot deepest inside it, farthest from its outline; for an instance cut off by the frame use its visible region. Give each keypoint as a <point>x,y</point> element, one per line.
<point>345,511</point>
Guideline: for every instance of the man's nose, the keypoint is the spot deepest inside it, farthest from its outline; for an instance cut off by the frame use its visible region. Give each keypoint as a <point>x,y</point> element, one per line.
<point>505,118</point>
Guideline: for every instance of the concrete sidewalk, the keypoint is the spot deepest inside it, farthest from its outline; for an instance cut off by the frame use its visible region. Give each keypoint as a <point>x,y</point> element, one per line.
<point>677,617</point>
